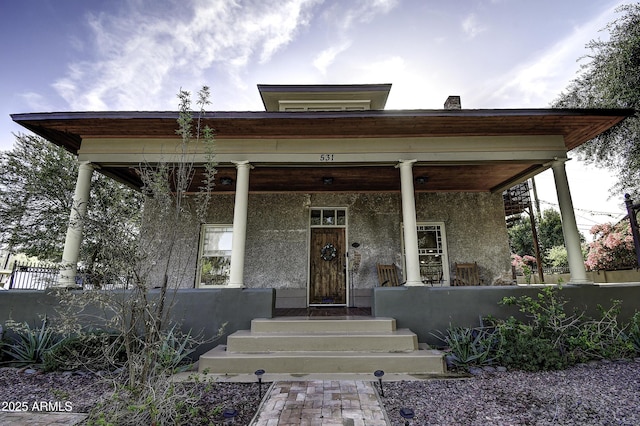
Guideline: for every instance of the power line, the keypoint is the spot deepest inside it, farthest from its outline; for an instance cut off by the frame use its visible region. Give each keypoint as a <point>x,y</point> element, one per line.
<point>591,212</point>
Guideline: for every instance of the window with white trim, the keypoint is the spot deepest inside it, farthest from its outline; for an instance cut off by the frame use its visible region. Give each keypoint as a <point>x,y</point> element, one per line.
<point>324,105</point>
<point>214,258</point>
<point>432,253</point>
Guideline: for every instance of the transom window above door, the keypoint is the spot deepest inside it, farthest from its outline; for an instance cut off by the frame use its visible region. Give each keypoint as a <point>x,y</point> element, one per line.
<point>328,216</point>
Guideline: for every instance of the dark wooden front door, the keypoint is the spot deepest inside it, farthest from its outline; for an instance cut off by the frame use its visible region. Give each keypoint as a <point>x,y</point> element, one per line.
<point>327,267</point>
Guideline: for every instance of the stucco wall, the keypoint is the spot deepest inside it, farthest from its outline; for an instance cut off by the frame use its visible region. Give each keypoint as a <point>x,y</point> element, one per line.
<point>428,311</point>
<point>476,230</point>
<point>202,312</point>
<point>278,234</point>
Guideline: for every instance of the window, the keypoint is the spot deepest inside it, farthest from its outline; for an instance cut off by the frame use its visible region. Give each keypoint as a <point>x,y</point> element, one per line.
<point>215,255</point>
<point>324,105</point>
<point>334,217</point>
<point>432,253</point>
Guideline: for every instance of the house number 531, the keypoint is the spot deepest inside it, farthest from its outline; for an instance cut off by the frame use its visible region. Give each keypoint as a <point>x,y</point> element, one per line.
<point>326,157</point>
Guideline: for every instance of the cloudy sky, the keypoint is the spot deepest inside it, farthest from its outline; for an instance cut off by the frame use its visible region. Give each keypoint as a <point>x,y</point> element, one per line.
<point>89,55</point>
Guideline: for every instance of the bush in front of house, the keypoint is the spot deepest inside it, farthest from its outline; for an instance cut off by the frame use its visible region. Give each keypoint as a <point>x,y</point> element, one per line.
<point>28,345</point>
<point>550,339</point>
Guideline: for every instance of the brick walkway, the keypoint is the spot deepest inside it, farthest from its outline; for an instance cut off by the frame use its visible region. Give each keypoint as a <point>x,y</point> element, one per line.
<point>322,403</point>
<point>40,419</point>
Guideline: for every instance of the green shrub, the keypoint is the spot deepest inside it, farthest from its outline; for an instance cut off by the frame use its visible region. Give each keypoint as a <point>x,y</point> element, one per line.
<point>601,338</point>
<point>175,349</point>
<point>29,346</point>
<point>633,333</point>
<point>564,339</point>
<point>91,351</point>
<point>521,348</point>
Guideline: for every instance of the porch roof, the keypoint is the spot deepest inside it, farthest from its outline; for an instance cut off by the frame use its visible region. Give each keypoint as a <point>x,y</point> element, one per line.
<point>69,129</point>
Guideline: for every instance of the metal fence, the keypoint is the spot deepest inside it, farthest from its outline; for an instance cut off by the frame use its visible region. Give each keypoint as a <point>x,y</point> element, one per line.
<point>40,276</point>
<point>33,276</point>
<point>556,270</point>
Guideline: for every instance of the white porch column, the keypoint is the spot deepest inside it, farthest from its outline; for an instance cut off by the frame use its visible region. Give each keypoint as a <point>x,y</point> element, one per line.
<point>569,226</point>
<point>69,266</point>
<point>409,221</point>
<point>239,238</point>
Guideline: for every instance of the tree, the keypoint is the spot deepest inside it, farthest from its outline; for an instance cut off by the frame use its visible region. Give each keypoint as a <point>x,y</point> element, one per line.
<point>37,182</point>
<point>550,233</point>
<point>520,237</point>
<point>551,230</point>
<point>141,316</point>
<point>611,79</point>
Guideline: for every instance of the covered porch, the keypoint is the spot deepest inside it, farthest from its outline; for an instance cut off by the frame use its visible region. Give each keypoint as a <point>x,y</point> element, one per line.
<point>315,191</point>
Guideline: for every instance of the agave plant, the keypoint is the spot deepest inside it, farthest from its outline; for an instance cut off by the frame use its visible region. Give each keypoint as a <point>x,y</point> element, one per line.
<point>471,346</point>
<point>29,345</point>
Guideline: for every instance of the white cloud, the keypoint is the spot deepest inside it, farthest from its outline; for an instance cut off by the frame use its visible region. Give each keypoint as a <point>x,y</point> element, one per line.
<point>325,58</point>
<point>472,27</point>
<point>539,82</point>
<point>139,55</point>
<point>344,15</point>
<point>35,101</point>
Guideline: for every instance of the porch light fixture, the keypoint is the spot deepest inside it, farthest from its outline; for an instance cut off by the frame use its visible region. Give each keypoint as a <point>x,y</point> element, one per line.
<point>327,180</point>
<point>421,180</point>
<point>226,181</point>
<point>259,374</point>
<point>379,374</point>
<point>407,414</point>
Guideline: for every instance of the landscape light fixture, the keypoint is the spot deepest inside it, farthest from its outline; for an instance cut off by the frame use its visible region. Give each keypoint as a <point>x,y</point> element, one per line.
<point>259,374</point>
<point>407,414</point>
<point>379,374</point>
<point>229,415</point>
<point>328,180</point>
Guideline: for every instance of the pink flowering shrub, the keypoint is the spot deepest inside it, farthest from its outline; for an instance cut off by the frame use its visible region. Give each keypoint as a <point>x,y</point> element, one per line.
<point>519,261</point>
<point>612,247</point>
<point>524,264</point>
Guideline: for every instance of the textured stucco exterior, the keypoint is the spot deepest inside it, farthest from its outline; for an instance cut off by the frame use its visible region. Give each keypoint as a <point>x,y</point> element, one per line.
<point>277,253</point>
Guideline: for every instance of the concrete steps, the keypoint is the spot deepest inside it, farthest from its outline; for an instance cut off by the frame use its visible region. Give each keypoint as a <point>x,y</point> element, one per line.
<point>303,345</point>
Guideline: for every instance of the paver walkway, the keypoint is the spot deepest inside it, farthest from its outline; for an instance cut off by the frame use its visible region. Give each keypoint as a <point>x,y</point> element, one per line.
<point>322,403</point>
<point>40,419</point>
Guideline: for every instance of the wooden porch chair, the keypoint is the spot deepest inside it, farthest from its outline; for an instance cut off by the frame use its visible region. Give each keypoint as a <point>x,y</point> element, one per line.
<point>388,275</point>
<point>466,274</point>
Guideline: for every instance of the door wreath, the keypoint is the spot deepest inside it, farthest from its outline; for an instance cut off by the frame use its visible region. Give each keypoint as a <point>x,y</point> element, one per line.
<point>328,252</point>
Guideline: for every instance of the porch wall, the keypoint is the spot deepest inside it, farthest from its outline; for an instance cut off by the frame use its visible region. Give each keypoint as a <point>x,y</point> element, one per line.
<point>278,231</point>
<point>202,312</point>
<point>431,310</point>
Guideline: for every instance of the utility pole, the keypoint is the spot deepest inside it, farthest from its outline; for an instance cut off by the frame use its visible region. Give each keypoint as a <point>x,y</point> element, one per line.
<point>632,211</point>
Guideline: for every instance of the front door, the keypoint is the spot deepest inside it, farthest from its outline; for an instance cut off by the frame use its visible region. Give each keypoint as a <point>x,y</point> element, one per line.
<point>327,265</point>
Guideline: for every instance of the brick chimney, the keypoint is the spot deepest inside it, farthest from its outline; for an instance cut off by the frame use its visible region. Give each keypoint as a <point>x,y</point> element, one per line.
<point>453,102</point>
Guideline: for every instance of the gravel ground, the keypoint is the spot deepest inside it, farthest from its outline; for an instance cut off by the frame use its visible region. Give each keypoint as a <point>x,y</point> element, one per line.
<point>600,393</point>
<point>79,391</point>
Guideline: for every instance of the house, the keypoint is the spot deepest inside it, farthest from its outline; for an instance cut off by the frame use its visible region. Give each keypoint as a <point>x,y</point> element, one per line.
<point>315,191</point>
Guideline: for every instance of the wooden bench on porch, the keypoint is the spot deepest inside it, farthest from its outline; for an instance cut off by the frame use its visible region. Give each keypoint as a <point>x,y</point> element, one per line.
<point>388,275</point>
<point>466,274</point>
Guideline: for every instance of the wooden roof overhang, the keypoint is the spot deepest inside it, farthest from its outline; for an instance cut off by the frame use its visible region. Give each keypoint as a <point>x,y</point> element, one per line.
<point>289,149</point>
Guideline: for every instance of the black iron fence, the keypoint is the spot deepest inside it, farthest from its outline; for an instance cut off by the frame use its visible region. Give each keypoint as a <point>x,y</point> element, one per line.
<point>33,276</point>
<point>40,276</point>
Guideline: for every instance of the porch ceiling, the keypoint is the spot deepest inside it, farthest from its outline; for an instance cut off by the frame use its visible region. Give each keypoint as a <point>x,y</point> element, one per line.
<point>575,126</point>
<point>379,178</point>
